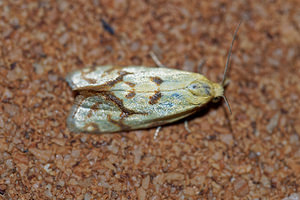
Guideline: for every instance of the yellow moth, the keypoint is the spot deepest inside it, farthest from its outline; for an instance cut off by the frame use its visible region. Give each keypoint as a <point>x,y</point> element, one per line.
<point>112,99</point>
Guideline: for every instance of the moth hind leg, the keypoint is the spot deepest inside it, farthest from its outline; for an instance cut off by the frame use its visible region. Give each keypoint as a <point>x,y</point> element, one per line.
<point>156,132</point>
<point>186,126</point>
<point>156,60</point>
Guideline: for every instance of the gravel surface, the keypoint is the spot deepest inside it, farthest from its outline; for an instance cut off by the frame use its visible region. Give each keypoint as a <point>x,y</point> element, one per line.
<point>252,154</point>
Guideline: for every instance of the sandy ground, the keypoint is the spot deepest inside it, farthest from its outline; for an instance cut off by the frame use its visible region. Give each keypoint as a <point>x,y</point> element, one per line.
<point>253,153</point>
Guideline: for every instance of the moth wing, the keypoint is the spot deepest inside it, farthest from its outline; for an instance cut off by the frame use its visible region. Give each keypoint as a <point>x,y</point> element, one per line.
<point>91,77</point>
<point>114,99</point>
<point>113,112</point>
<point>139,78</point>
<point>91,114</point>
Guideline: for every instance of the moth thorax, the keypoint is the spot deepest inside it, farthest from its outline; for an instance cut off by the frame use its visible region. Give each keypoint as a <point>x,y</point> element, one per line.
<point>201,88</point>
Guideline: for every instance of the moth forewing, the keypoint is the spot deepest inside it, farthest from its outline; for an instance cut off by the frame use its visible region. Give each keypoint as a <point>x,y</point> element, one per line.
<point>134,97</point>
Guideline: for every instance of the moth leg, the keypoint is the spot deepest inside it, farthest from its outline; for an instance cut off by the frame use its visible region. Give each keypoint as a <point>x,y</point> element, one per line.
<point>200,66</point>
<point>226,82</point>
<point>156,132</point>
<point>156,60</point>
<point>186,126</point>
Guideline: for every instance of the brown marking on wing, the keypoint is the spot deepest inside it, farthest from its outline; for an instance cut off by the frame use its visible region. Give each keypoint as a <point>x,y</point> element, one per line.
<point>118,123</point>
<point>156,80</point>
<point>78,101</point>
<point>93,108</point>
<point>125,111</point>
<point>130,95</point>
<point>130,84</point>
<point>118,79</point>
<point>92,127</point>
<point>89,80</point>
<point>109,84</point>
<point>89,69</point>
<point>155,98</point>
<point>84,73</point>
<point>92,68</point>
<point>112,68</point>
<point>109,96</point>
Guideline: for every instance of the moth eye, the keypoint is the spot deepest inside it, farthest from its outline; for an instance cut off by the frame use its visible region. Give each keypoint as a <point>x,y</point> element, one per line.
<point>194,86</point>
<point>216,99</point>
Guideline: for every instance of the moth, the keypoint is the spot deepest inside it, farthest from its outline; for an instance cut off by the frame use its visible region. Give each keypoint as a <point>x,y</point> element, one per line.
<point>111,98</point>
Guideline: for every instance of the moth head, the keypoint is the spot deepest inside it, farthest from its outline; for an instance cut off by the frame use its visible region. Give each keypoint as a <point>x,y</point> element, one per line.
<point>219,94</point>
<point>206,89</point>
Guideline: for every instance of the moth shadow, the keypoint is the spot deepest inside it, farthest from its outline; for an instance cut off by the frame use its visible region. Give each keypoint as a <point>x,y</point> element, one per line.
<point>202,111</point>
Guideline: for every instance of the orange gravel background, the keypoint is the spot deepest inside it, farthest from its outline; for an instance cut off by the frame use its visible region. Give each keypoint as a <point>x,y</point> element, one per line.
<point>253,153</point>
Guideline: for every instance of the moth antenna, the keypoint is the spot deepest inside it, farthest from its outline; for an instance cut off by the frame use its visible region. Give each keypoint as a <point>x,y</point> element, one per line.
<point>227,104</point>
<point>229,53</point>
